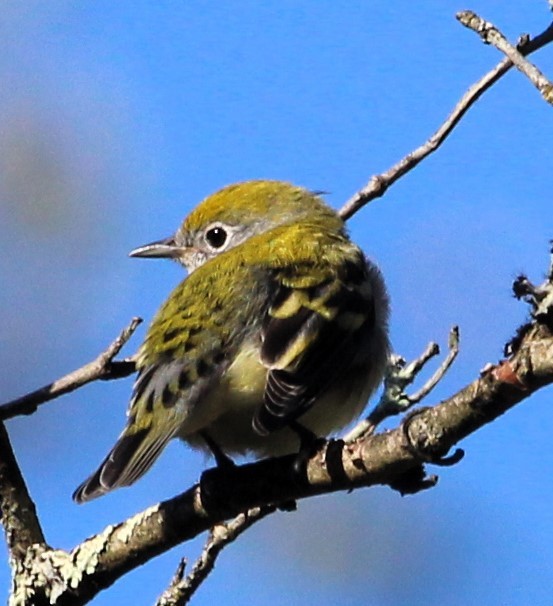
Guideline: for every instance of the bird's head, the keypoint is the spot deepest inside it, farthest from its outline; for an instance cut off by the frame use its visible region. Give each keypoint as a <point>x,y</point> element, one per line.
<point>233,215</point>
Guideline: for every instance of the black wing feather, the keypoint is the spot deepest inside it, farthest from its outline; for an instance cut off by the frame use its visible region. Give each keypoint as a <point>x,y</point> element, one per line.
<point>290,392</point>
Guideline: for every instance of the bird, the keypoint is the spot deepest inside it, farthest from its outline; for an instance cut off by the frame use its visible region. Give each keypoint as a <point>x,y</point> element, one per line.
<point>279,330</point>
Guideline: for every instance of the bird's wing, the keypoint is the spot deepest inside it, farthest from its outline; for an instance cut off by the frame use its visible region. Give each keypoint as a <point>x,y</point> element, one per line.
<point>312,333</point>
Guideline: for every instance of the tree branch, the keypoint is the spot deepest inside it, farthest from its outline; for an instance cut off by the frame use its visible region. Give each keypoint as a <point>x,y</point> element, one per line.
<point>491,35</point>
<point>103,367</point>
<point>378,184</point>
<point>18,512</point>
<point>400,375</point>
<point>24,536</point>
<point>183,588</point>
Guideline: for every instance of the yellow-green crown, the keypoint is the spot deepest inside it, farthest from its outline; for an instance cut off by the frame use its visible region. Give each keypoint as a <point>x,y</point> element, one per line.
<point>271,202</point>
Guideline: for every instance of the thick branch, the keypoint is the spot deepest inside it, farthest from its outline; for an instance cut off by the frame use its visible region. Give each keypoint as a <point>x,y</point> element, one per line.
<point>103,367</point>
<point>18,512</point>
<point>378,184</point>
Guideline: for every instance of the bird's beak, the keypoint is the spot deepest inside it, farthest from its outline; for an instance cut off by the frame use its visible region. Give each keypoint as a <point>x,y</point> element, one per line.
<point>162,249</point>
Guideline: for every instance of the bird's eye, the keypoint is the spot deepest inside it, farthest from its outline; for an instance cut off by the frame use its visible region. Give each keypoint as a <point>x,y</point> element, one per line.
<point>216,236</point>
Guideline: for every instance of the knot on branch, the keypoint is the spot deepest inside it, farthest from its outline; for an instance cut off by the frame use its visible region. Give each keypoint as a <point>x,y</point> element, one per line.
<point>422,442</point>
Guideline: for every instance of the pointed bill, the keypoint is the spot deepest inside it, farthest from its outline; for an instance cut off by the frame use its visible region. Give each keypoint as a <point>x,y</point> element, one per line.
<point>161,249</point>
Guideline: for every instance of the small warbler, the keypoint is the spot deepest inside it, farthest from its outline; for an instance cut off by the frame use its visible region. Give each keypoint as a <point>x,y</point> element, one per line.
<point>281,326</point>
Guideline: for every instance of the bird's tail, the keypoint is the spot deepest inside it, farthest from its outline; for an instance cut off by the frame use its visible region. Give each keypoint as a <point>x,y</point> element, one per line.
<point>133,454</point>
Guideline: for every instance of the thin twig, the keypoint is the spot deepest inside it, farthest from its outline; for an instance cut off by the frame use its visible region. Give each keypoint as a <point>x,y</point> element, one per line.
<point>453,347</point>
<point>378,184</point>
<point>491,35</point>
<point>400,375</point>
<point>103,367</point>
<point>183,588</point>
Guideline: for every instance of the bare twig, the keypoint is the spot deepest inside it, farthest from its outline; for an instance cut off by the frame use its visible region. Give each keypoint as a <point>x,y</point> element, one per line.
<point>399,375</point>
<point>103,367</point>
<point>183,588</point>
<point>453,347</point>
<point>491,35</point>
<point>378,184</point>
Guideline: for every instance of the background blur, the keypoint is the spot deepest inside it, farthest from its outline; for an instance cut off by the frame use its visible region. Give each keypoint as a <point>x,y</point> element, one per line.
<point>117,118</point>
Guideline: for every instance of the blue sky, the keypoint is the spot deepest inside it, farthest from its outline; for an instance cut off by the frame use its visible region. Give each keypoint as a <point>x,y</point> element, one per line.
<point>117,118</point>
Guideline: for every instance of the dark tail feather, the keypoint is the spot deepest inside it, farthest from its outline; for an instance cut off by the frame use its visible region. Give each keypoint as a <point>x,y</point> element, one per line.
<point>113,472</point>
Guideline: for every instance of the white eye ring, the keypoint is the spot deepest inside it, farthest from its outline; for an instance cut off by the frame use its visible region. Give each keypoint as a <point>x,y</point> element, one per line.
<point>216,236</point>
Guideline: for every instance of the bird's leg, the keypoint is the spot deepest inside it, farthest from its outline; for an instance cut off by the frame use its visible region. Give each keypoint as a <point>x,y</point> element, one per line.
<point>309,443</point>
<point>223,461</point>
<point>306,436</point>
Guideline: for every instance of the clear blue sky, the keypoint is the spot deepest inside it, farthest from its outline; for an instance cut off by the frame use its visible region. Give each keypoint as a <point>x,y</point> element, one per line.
<point>117,118</point>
